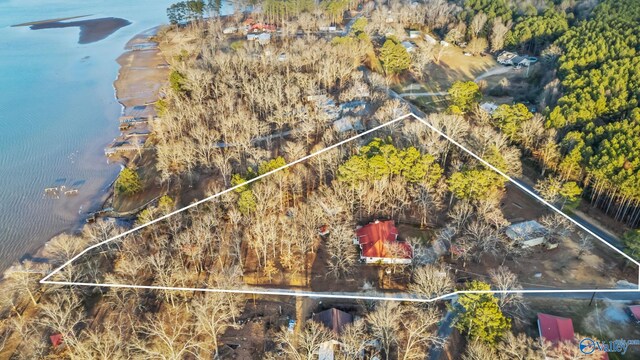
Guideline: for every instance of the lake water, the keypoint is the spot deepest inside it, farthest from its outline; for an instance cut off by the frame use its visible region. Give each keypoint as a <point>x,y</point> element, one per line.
<point>57,113</point>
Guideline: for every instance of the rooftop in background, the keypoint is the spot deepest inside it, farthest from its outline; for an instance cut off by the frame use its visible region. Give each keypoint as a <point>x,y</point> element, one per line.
<point>333,319</point>
<point>506,57</point>
<point>635,311</point>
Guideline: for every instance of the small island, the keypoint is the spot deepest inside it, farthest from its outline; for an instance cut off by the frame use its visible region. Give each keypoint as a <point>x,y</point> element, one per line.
<point>91,30</point>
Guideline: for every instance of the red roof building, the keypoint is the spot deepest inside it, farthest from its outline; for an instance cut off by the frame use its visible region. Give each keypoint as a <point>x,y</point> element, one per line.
<point>56,340</point>
<point>379,243</point>
<point>635,312</point>
<point>555,328</point>
<point>262,27</point>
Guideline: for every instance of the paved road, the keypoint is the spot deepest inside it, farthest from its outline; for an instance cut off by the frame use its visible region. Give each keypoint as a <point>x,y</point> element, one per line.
<point>441,93</point>
<point>621,296</point>
<point>496,70</point>
<point>603,234</point>
<point>347,28</point>
<point>444,331</point>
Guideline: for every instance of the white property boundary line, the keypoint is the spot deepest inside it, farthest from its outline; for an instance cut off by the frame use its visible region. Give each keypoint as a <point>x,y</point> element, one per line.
<point>284,292</point>
<point>351,296</point>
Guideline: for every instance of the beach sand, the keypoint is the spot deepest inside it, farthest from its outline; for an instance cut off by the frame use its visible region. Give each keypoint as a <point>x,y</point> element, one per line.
<point>91,30</point>
<point>143,71</point>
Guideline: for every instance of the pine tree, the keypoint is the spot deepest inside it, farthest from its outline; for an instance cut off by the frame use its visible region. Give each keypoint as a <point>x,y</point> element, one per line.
<point>379,159</point>
<point>509,119</point>
<point>480,316</point>
<point>394,57</point>
<point>128,182</point>
<point>464,94</point>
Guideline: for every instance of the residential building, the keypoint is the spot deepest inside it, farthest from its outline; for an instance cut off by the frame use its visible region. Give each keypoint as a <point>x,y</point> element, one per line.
<point>379,244</point>
<point>409,46</point>
<point>520,61</point>
<point>634,311</point>
<point>528,233</point>
<point>328,349</point>
<point>334,319</point>
<point>555,328</point>
<point>430,39</point>
<point>414,34</point>
<point>510,58</point>
<point>348,123</point>
<point>331,28</point>
<point>229,30</point>
<point>264,38</point>
<point>489,107</point>
<point>505,57</point>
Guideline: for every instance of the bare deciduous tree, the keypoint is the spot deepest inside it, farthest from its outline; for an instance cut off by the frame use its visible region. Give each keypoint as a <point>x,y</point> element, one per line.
<point>342,255</point>
<point>498,34</point>
<point>214,314</point>
<point>62,312</point>
<point>418,333</point>
<point>585,245</point>
<point>477,45</point>
<point>512,303</point>
<point>167,336</point>
<point>384,323</point>
<point>354,339</point>
<point>431,281</point>
<point>304,345</point>
<point>477,24</point>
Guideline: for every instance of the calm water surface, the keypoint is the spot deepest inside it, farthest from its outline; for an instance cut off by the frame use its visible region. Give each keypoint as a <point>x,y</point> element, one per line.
<point>57,113</point>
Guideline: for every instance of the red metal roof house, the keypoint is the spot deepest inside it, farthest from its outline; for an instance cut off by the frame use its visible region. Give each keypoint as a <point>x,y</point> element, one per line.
<point>635,312</point>
<point>379,243</point>
<point>555,328</point>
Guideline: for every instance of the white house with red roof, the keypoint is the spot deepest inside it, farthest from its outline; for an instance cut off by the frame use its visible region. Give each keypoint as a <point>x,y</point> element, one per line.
<point>379,244</point>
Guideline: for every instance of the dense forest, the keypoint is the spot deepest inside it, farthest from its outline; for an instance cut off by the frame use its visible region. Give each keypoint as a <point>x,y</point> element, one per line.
<point>598,114</point>
<point>589,101</point>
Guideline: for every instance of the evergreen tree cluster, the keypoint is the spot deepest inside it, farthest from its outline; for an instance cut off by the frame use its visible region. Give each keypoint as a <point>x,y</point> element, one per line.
<point>394,57</point>
<point>128,182</point>
<point>185,10</point>
<point>480,316</point>
<point>379,159</point>
<point>492,8</point>
<point>534,32</point>
<point>285,9</point>
<point>598,112</point>
<point>463,95</point>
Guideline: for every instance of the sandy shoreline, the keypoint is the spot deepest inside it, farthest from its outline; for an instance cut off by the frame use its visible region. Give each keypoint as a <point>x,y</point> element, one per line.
<point>138,82</point>
<point>143,71</point>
